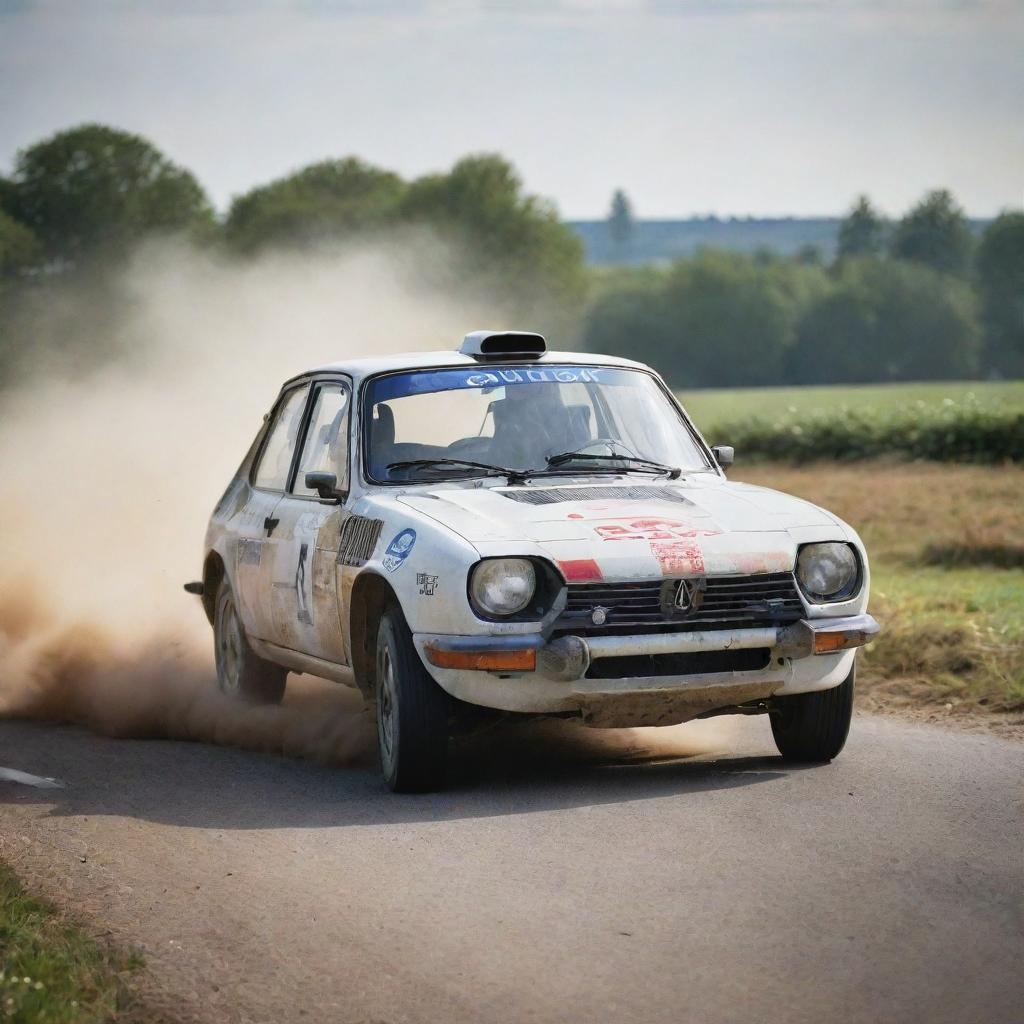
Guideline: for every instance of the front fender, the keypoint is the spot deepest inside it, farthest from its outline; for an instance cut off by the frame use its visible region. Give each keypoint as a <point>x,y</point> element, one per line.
<point>425,565</point>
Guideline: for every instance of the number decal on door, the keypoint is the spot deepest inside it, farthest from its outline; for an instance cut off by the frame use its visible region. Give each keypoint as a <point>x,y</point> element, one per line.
<point>300,586</point>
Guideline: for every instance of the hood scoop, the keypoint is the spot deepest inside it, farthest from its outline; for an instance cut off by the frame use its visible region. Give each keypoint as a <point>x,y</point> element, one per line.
<point>554,495</point>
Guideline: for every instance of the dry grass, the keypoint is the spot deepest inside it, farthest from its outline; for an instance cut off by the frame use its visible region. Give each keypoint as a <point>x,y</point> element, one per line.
<point>903,511</point>
<point>947,545</point>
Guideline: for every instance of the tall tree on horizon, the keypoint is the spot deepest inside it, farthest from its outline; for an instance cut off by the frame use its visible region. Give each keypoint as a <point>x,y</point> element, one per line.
<point>620,218</point>
<point>935,233</point>
<point>862,231</point>
<point>1000,276</point>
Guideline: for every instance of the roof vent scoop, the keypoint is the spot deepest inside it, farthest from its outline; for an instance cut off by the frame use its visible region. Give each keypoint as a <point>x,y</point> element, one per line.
<point>503,345</point>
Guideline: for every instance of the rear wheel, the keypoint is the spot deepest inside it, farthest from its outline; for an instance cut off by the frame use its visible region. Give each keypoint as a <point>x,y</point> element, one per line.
<point>240,672</point>
<point>814,726</point>
<point>412,712</point>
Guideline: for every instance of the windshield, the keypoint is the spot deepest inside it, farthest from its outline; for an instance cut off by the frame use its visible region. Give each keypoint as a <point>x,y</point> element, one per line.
<point>557,419</point>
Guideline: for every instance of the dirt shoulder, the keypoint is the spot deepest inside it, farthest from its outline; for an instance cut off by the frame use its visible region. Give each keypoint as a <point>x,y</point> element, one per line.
<point>969,718</point>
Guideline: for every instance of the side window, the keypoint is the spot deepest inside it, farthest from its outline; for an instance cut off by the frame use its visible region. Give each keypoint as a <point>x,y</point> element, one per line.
<point>326,447</point>
<point>272,470</point>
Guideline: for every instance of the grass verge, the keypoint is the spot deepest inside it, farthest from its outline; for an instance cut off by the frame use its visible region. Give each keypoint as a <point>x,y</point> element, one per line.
<point>51,970</point>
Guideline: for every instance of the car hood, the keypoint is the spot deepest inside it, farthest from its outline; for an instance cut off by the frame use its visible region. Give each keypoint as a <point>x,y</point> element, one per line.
<point>632,530</point>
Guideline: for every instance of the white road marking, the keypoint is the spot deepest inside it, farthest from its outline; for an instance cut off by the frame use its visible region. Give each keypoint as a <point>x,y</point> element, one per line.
<point>13,775</point>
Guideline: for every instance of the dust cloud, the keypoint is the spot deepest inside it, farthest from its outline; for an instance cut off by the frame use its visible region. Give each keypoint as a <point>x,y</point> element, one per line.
<point>109,475</point>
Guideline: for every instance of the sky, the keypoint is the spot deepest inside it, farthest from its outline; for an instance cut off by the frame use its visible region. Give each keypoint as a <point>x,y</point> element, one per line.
<point>727,107</point>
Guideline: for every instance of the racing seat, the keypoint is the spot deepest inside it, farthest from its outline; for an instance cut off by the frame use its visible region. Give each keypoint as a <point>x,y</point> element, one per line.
<point>382,440</point>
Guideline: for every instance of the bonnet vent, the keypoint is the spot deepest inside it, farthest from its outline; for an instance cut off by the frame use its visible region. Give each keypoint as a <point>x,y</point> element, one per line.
<point>503,345</point>
<point>554,495</point>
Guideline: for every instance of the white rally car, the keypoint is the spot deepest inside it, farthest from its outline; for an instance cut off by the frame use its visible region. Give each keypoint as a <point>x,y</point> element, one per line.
<point>529,531</point>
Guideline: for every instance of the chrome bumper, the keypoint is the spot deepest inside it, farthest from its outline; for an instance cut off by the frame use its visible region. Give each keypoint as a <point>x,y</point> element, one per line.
<point>568,658</point>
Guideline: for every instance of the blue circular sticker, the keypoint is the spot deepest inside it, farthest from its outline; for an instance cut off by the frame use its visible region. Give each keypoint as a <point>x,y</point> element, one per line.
<point>399,548</point>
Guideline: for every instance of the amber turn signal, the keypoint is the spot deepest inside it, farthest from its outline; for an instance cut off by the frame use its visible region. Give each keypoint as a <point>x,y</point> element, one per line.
<point>521,660</point>
<point>826,643</point>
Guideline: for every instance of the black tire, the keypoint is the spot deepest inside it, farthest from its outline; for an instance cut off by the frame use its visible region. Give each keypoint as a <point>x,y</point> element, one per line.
<point>240,671</point>
<point>814,726</point>
<point>412,712</point>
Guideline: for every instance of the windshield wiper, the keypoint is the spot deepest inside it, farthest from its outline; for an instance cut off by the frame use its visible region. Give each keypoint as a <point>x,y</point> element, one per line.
<point>633,462</point>
<point>514,475</point>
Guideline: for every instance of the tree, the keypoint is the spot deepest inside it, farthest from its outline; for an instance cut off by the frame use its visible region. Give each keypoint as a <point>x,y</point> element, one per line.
<point>620,218</point>
<point>809,255</point>
<point>19,248</point>
<point>885,321</point>
<point>733,323</point>
<point>719,318</point>
<point>7,192</point>
<point>862,232</point>
<point>326,201</point>
<point>1000,272</point>
<point>511,243</point>
<point>95,189</point>
<point>935,233</point>
<point>630,317</point>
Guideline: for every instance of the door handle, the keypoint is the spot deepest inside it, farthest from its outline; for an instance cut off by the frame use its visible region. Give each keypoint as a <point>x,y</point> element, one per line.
<point>270,524</point>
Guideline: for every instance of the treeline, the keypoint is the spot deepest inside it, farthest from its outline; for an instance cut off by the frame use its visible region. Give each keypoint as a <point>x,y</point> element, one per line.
<point>76,205</point>
<point>920,299</point>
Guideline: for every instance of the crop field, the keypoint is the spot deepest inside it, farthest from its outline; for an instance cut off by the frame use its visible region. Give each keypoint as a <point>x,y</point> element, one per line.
<point>947,561</point>
<point>713,406</point>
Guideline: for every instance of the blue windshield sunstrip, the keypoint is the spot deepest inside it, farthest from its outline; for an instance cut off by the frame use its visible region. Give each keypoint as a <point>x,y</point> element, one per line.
<point>398,385</point>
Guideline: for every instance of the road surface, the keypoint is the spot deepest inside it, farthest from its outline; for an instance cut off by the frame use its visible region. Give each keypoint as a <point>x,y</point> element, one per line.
<point>559,879</point>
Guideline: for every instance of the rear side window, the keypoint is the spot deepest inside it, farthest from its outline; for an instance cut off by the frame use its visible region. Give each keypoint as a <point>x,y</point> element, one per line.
<point>326,447</point>
<point>276,457</point>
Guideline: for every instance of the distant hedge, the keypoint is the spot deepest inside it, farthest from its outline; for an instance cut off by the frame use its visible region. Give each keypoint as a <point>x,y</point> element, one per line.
<point>955,432</point>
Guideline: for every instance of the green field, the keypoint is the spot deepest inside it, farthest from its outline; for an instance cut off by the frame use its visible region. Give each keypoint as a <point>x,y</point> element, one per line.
<point>714,406</point>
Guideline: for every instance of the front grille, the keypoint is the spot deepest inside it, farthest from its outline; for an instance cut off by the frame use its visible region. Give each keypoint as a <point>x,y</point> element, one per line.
<point>694,663</point>
<point>555,495</point>
<point>647,606</point>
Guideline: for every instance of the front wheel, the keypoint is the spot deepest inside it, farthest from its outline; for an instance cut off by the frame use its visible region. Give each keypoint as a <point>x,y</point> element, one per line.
<point>412,712</point>
<point>240,671</point>
<point>814,726</point>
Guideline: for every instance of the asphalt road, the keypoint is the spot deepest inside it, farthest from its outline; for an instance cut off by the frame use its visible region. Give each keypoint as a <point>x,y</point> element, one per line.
<point>560,879</point>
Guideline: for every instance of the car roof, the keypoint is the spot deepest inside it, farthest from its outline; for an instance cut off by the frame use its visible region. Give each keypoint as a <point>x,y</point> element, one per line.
<point>359,369</point>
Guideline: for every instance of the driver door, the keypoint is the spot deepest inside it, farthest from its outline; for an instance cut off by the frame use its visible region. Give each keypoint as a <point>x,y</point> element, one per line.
<point>257,526</point>
<point>306,610</point>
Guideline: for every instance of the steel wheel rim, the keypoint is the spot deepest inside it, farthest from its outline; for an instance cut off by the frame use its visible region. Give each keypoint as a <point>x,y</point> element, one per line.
<point>229,649</point>
<point>386,706</point>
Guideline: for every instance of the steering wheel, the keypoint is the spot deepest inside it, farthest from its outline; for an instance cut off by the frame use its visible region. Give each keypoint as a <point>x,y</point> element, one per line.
<point>464,444</point>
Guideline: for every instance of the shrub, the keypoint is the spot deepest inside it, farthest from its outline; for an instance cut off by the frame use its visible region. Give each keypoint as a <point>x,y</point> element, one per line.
<point>955,432</point>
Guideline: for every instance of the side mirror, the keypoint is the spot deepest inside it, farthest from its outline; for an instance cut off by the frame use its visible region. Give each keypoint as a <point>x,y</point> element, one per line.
<point>724,455</point>
<point>326,485</point>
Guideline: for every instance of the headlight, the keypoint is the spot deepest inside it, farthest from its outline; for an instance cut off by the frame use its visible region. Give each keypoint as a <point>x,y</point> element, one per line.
<point>827,572</point>
<point>502,586</point>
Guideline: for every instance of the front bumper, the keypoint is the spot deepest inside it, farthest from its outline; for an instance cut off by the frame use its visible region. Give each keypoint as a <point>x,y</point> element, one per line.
<point>527,673</point>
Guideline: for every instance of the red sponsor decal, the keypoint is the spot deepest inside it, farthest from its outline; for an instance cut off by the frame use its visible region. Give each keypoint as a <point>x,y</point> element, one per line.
<point>674,543</point>
<point>651,530</point>
<point>678,557</point>
<point>580,570</point>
